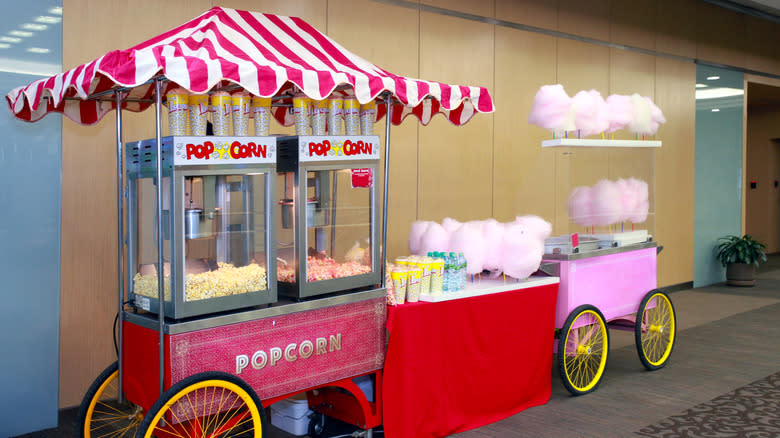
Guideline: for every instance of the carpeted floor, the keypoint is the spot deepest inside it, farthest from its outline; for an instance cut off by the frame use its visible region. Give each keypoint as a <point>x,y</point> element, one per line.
<point>750,411</point>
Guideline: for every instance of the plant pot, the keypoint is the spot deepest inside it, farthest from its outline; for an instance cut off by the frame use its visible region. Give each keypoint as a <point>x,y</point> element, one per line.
<point>741,274</point>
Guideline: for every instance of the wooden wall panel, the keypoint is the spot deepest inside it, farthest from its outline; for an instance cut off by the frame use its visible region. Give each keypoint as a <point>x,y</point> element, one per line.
<point>455,163</point>
<point>313,11</point>
<point>719,35</point>
<point>523,172</point>
<point>536,13</point>
<point>633,23</point>
<point>629,73</point>
<point>88,284</point>
<point>674,170</point>
<point>485,8</point>
<point>762,207</point>
<point>590,19</point>
<point>761,42</point>
<point>393,45</point>
<point>580,66</point>
<point>676,32</point>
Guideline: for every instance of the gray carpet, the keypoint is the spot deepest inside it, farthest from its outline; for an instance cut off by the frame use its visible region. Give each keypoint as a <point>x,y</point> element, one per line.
<point>751,411</point>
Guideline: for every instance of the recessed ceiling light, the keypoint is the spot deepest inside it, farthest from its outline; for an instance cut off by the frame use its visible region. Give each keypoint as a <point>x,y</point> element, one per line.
<point>7,39</point>
<point>20,33</point>
<point>714,93</point>
<point>713,78</point>
<point>57,10</point>
<point>716,110</point>
<point>701,86</point>
<point>47,19</point>
<point>37,50</point>
<point>34,26</point>
<point>4,45</point>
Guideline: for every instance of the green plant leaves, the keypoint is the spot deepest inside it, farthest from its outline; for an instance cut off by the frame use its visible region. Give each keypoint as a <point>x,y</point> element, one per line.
<point>735,249</point>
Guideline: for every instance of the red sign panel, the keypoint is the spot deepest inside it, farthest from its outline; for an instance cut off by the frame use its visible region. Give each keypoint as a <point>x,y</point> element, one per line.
<point>362,178</point>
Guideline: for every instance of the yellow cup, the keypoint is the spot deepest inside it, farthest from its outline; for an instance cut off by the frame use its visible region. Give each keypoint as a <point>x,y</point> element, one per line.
<point>261,109</point>
<point>199,110</point>
<point>400,278</point>
<point>240,108</point>
<point>319,118</point>
<point>351,116</point>
<point>413,287</point>
<point>367,118</point>
<point>178,112</point>
<point>425,282</point>
<point>437,277</point>
<point>335,116</point>
<point>220,116</point>
<point>301,114</point>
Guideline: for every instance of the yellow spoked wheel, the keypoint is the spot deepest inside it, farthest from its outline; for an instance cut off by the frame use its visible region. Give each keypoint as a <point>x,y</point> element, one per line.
<point>655,330</point>
<point>101,416</point>
<point>582,350</point>
<point>206,405</point>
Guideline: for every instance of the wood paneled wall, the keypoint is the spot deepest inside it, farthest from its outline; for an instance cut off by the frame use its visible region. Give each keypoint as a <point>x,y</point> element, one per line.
<point>494,166</point>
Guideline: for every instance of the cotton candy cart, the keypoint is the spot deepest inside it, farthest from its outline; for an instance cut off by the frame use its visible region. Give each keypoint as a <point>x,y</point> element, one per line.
<point>607,276</point>
<point>195,363</point>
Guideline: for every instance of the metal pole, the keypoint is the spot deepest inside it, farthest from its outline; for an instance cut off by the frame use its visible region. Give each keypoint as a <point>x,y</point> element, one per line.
<point>119,236</point>
<point>388,116</point>
<point>160,235</point>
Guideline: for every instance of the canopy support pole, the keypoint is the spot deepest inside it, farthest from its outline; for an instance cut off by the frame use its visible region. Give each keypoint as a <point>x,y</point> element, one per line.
<point>160,235</point>
<point>388,116</point>
<point>119,237</point>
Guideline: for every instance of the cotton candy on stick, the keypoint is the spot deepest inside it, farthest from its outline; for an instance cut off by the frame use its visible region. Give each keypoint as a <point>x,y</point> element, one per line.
<point>579,206</point>
<point>468,240</point>
<point>450,225</point>
<point>552,110</point>
<point>642,115</point>
<point>620,112</point>
<point>591,113</point>
<point>434,239</point>
<point>416,232</point>
<point>656,117</point>
<point>492,234</point>
<point>641,208</point>
<point>606,203</point>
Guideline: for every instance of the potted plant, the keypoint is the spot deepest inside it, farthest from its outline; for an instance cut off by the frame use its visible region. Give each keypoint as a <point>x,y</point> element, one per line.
<point>740,256</point>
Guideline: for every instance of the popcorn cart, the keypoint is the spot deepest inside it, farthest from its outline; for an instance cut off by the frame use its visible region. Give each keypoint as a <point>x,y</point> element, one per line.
<point>208,341</point>
<point>606,263</point>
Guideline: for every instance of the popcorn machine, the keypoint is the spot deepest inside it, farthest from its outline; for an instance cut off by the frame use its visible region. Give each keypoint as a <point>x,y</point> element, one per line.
<point>327,227</point>
<point>218,230</point>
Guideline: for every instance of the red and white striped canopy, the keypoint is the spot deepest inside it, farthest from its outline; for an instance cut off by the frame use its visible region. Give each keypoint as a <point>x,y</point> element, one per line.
<point>267,55</point>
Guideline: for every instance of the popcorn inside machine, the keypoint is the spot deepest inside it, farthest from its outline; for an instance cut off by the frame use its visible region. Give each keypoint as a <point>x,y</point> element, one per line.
<point>219,233</point>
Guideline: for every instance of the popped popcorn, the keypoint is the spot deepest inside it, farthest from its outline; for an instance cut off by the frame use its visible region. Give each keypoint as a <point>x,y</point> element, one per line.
<point>227,280</point>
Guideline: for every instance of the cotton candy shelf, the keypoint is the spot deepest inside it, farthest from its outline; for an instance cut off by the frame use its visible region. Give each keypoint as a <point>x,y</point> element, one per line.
<point>598,143</point>
<point>490,286</point>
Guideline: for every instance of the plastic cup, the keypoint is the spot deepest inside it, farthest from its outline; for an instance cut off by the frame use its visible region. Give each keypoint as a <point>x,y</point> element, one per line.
<point>389,282</point>
<point>437,277</point>
<point>425,282</point>
<point>367,118</point>
<point>178,111</point>
<point>240,107</point>
<point>199,109</point>
<point>319,119</point>
<point>402,261</point>
<point>351,116</point>
<point>301,115</point>
<point>261,109</point>
<point>336,116</point>
<point>220,116</point>
<point>400,278</point>
<point>413,286</point>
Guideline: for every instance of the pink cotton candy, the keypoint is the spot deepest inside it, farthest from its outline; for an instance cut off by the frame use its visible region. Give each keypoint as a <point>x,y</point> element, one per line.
<point>521,250</point>
<point>642,118</point>
<point>627,199</point>
<point>620,112</point>
<point>468,240</point>
<point>435,238</point>
<point>416,232</point>
<point>580,206</point>
<point>493,234</point>
<point>606,203</point>
<point>450,225</point>
<point>656,116</point>
<point>552,109</point>
<point>641,208</point>
<point>535,226</point>
<point>591,113</point>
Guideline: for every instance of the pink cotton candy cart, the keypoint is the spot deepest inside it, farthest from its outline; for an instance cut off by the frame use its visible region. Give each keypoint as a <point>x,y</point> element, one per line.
<point>605,288</point>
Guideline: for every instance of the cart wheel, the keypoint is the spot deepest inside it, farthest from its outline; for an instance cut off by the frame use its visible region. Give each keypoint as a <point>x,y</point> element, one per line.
<point>211,404</point>
<point>101,416</point>
<point>656,329</point>
<point>316,425</point>
<point>582,350</point>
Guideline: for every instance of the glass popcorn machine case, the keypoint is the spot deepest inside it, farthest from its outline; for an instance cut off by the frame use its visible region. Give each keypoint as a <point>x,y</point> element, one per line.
<point>327,214</point>
<point>219,231</point>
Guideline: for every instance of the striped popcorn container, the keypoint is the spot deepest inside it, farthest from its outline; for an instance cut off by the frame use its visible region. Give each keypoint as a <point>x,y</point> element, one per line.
<point>367,118</point>
<point>335,116</point>
<point>301,114</point>
<point>319,119</point>
<point>178,111</point>
<point>199,109</point>
<point>240,107</point>
<point>261,110</point>
<point>220,113</point>
<point>351,116</point>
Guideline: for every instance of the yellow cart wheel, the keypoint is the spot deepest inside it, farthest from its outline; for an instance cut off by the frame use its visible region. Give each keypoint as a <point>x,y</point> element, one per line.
<point>101,416</point>
<point>206,405</point>
<point>582,350</point>
<point>655,330</point>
